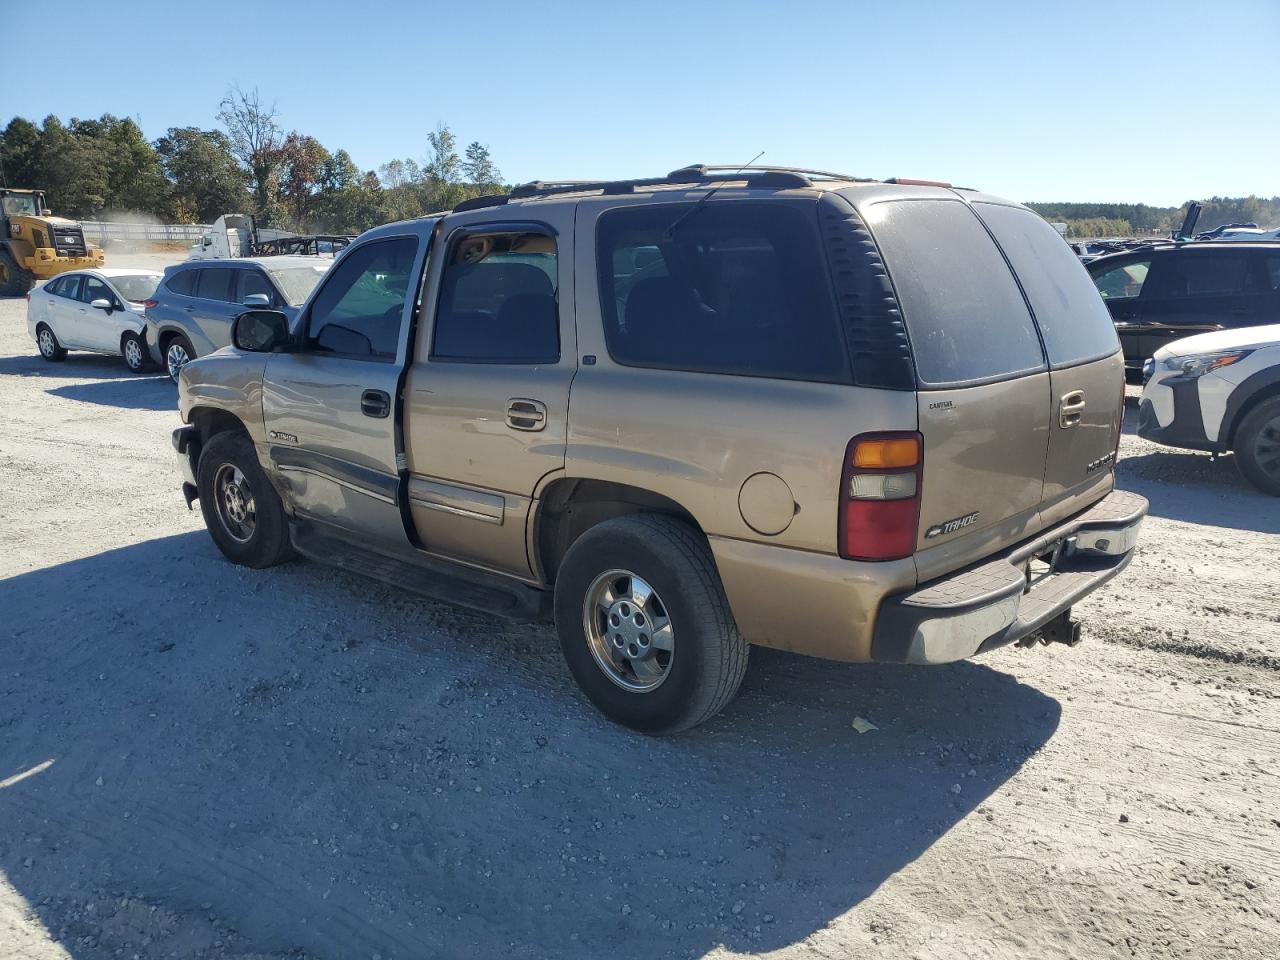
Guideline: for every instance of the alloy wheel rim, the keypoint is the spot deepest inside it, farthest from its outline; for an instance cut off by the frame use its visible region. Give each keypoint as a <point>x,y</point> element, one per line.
<point>628,631</point>
<point>1266,448</point>
<point>234,499</point>
<point>46,343</point>
<point>176,357</point>
<point>132,354</point>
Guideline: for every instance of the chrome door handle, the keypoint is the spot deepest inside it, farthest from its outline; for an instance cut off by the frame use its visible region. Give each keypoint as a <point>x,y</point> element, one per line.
<point>524,414</point>
<point>1071,408</point>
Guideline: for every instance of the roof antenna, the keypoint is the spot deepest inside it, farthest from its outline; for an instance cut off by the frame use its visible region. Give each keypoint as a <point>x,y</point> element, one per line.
<point>670,232</point>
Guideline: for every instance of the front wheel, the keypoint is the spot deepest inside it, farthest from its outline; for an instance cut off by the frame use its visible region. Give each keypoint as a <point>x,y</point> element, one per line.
<point>49,346</point>
<point>1258,446</point>
<point>241,509</point>
<point>645,626</point>
<point>134,352</point>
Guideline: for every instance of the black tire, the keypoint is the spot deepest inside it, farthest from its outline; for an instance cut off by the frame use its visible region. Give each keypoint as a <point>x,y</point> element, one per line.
<point>135,353</point>
<point>267,542</point>
<point>1257,446</point>
<point>44,337</point>
<point>167,346</point>
<point>709,656</point>
<point>15,281</point>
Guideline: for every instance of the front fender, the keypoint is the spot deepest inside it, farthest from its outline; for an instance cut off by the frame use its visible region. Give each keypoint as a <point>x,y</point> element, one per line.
<point>228,381</point>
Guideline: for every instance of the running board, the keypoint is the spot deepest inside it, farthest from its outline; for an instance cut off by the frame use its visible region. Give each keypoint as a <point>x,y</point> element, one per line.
<point>423,574</point>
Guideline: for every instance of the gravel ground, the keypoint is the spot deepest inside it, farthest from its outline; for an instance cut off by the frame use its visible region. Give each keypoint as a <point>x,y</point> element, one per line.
<point>198,760</point>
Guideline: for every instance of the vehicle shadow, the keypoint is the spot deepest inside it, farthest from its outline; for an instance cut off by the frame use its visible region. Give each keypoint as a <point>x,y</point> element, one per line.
<point>136,393</point>
<point>74,365</point>
<point>299,760</point>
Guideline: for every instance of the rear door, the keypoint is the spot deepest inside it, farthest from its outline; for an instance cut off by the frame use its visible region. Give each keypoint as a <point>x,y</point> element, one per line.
<point>1086,370</point>
<point>985,392</point>
<point>1199,290</point>
<point>1121,282</point>
<point>214,306</point>
<point>487,400</point>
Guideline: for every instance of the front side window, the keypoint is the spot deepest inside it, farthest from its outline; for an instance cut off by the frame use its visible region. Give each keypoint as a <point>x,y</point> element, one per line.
<point>358,311</point>
<point>1272,263</point>
<point>734,287</point>
<point>1124,282</point>
<point>94,289</point>
<point>255,282</point>
<point>498,300</point>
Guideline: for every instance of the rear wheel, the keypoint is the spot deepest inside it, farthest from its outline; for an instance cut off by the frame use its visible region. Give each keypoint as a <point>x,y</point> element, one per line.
<point>645,626</point>
<point>1258,446</point>
<point>178,352</point>
<point>15,281</point>
<point>49,346</point>
<point>134,352</point>
<point>241,509</point>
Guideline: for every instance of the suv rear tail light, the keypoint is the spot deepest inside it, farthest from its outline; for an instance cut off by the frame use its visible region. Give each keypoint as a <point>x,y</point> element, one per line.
<point>880,496</point>
<point>149,303</point>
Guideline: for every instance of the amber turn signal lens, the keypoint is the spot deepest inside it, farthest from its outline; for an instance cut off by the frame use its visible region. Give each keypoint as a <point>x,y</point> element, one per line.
<point>886,454</point>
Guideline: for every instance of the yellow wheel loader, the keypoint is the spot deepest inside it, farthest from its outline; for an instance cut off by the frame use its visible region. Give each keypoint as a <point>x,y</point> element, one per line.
<point>35,245</point>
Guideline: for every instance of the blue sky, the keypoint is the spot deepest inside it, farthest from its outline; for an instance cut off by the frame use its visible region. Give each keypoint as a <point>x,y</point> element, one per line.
<point>1117,101</point>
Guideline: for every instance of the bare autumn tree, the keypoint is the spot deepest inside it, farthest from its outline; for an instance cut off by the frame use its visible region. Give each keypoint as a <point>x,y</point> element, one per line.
<point>256,139</point>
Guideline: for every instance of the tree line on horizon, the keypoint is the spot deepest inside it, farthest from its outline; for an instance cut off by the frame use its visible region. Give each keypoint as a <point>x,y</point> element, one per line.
<point>108,169</point>
<point>1140,219</point>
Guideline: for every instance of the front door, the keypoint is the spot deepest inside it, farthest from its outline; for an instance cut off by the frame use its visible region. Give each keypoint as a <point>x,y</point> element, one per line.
<point>330,408</point>
<point>1121,289</point>
<point>98,329</point>
<point>487,400</point>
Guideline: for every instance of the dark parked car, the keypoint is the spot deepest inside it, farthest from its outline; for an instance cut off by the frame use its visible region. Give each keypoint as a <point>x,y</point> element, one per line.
<point>1163,293</point>
<point>191,311</point>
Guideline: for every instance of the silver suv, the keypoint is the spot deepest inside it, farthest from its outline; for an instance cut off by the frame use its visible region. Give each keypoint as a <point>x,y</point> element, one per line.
<point>853,419</point>
<point>190,313</point>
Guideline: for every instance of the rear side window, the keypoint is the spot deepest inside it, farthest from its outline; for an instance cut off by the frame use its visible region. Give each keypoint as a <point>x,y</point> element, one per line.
<point>498,301</point>
<point>736,287</point>
<point>217,283</point>
<point>1198,275</point>
<point>1272,263</point>
<point>64,286</point>
<point>1073,320</point>
<point>964,313</point>
<point>183,283</point>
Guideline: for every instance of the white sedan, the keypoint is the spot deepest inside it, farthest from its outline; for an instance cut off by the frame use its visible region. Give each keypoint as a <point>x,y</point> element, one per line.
<point>96,310</point>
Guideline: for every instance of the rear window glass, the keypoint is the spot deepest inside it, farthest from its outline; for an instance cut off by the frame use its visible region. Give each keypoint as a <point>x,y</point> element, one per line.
<point>135,288</point>
<point>736,287</point>
<point>1073,320</point>
<point>965,315</point>
<point>183,283</point>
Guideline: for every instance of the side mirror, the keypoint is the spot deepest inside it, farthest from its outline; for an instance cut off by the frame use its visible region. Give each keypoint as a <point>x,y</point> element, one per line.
<point>256,300</point>
<point>260,331</point>
<point>46,213</point>
<point>101,305</point>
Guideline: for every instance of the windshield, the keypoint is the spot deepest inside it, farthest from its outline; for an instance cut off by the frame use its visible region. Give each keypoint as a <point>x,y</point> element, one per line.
<point>22,204</point>
<point>296,283</point>
<point>136,287</point>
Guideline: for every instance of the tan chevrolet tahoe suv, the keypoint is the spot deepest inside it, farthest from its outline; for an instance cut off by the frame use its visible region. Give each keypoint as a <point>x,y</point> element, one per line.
<point>866,421</point>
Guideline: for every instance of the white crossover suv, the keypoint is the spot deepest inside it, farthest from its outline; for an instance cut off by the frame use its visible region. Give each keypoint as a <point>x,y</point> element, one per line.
<point>1219,392</point>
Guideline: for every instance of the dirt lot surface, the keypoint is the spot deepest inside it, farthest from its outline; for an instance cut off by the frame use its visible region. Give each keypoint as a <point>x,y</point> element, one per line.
<point>198,760</point>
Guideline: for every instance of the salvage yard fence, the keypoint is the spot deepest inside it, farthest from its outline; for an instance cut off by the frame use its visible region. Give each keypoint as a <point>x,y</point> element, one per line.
<point>101,231</point>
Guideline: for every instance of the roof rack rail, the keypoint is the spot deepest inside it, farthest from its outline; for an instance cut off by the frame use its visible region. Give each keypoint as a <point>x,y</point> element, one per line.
<point>764,177</point>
